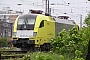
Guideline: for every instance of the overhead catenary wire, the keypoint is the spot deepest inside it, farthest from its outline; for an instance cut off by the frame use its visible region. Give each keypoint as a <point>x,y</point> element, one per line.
<point>42,4</point>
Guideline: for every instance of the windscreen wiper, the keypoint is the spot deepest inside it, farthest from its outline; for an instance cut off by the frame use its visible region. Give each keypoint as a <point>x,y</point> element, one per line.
<point>22,25</point>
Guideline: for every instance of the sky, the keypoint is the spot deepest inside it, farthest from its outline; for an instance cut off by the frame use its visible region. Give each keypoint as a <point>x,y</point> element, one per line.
<point>75,9</point>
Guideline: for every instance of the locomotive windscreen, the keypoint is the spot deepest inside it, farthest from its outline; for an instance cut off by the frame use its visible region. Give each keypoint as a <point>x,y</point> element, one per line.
<point>26,22</point>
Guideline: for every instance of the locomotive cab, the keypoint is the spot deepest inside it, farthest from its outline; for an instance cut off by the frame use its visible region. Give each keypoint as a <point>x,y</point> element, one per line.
<point>23,30</point>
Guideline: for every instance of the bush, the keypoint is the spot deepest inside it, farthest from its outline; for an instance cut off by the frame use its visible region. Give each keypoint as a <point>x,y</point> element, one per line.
<point>43,56</point>
<point>3,42</point>
<point>73,43</point>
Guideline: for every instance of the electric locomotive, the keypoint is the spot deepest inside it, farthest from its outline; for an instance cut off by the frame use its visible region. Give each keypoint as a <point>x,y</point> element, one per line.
<point>33,31</point>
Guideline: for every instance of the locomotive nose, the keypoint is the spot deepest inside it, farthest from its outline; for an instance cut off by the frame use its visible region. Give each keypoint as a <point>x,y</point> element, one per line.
<point>24,33</point>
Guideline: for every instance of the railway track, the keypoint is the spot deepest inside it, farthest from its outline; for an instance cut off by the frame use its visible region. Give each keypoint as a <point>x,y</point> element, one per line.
<point>11,54</point>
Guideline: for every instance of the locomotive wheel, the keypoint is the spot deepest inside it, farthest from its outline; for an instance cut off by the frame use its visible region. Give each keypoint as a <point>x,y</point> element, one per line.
<point>32,49</point>
<point>45,47</point>
<point>37,49</point>
<point>42,47</point>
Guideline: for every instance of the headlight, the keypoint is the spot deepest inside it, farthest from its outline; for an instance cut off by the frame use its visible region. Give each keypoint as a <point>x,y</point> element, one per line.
<point>34,33</point>
<point>14,33</point>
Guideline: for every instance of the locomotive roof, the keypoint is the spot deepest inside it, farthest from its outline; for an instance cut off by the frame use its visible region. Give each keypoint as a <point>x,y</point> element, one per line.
<point>28,16</point>
<point>64,15</point>
<point>64,21</point>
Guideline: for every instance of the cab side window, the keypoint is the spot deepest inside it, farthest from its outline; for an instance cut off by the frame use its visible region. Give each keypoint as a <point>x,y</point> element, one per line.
<point>41,24</point>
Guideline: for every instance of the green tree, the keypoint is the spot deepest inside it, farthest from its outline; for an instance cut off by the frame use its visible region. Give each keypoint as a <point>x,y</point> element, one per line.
<point>87,28</point>
<point>87,20</point>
